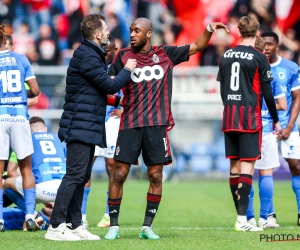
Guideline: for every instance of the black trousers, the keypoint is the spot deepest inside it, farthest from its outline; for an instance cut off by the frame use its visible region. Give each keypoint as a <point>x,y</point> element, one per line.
<point>67,207</point>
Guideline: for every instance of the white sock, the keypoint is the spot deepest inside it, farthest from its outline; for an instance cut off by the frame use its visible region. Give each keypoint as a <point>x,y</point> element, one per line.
<point>241,218</point>
<point>144,227</point>
<point>29,216</point>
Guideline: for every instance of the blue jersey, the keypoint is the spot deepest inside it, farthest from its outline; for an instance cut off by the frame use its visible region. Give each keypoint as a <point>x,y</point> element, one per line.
<point>15,69</point>
<point>286,73</point>
<point>48,159</point>
<point>109,108</point>
<point>267,120</point>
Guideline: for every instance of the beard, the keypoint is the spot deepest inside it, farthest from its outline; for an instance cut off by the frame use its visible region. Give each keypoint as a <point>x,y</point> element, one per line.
<point>138,47</point>
<point>104,42</point>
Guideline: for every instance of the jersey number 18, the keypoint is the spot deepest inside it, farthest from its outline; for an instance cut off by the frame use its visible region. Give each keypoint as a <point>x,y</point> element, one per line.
<point>11,81</point>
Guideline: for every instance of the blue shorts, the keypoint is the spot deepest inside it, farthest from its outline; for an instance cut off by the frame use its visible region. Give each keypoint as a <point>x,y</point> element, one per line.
<point>14,218</point>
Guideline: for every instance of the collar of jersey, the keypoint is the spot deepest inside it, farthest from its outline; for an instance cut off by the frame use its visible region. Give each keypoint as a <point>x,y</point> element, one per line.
<point>4,51</point>
<point>277,62</point>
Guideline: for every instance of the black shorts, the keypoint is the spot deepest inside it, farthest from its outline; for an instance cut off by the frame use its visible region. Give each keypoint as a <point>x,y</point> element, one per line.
<point>243,146</point>
<point>152,141</point>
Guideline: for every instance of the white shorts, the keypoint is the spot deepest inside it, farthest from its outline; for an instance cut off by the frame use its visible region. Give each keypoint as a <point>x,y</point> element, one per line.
<point>15,133</point>
<point>269,152</point>
<point>112,129</point>
<point>45,191</point>
<point>290,148</point>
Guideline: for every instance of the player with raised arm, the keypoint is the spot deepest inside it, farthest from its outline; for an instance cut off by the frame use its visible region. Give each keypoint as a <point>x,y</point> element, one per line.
<point>48,166</point>
<point>147,116</point>
<point>244,74</point>
<point>269,155</point>
<point>15,69</point>
<point>287,74</point>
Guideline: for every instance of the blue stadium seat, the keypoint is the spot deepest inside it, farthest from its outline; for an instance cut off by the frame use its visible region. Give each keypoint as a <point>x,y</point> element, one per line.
<point>220,147</point>
<point>181,163</point>
<point>99,166</point>
<point>201,160</point>
<point>201,163</point>
<point>222,164</point>
<point>202,148</point>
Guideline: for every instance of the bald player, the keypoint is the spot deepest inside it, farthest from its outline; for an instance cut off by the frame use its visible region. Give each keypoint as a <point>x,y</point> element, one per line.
<point>147,116</point>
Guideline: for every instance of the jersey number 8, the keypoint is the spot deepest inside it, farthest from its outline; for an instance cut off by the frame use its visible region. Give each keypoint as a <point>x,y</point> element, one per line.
<point>48,147</point>
<point>11,81</point>
<point>235,76</point>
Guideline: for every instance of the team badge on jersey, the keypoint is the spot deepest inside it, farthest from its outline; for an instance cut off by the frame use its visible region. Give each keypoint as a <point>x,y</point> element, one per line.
<point>155,58</point>
<point>118,150</point>
<point>281,75</point>
<point>269,73</point>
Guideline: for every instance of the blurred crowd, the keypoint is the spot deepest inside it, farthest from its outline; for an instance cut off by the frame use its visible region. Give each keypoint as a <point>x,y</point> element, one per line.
<point>48,31</point>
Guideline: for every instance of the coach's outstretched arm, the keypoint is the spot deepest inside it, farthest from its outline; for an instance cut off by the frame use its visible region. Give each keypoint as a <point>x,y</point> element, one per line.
<point>205,36</point>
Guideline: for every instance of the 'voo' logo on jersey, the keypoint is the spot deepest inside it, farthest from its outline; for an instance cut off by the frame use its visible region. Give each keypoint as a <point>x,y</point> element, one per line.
<point>147,73</point>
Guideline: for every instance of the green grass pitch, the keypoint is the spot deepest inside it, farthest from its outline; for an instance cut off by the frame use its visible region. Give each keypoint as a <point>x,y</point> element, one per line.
<point>192,215</point>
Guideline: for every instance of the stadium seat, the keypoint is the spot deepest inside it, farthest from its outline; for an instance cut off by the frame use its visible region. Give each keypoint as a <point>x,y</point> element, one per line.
<point>220,147</point>
<point>222,164</point>
<point>99,166</point>
<point>181,163</point>
<point>201,163</point>
<point>201,160</point>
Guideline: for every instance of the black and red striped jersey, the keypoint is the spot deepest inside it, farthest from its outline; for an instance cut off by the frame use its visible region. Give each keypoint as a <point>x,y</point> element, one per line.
<point>147,97</point>
<point>242,71</point>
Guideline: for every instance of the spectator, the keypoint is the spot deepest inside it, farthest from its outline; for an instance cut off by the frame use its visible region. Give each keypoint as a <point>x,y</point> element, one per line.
<point>212,54</point>
<point>47,46</point>
<point>22,39</point>
<point>39,13</point>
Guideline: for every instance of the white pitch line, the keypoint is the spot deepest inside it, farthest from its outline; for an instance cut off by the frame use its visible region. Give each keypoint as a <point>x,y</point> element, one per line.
<point>172,228</point>
<point>185,228</point>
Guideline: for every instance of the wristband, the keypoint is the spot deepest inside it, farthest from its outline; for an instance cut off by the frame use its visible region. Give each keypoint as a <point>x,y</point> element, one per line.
<point>209,29</point>
<point>128,69</point>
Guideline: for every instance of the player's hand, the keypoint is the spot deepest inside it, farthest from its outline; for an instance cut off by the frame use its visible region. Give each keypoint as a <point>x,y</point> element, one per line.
<point>217,25</point>
<point>49,204</point>
<point>286,132</point>
<point>117,112</point>
<point>131,64</point>
<point>278,130</point>
<point>121,101</point>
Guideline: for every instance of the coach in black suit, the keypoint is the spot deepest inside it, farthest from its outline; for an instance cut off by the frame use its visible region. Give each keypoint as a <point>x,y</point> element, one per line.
<point>82,125</point>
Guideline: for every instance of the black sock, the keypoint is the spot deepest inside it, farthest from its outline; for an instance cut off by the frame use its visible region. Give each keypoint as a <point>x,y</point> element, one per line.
<point>153,201</point>
<point>244,189</point>
<point>233,183</point>
<point>114,210</point>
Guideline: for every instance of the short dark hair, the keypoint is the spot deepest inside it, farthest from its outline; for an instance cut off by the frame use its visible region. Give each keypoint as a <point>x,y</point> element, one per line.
<point>9,39</point>
<point>35,119</point>
<point>90,24</point>
<point>272,34</point>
